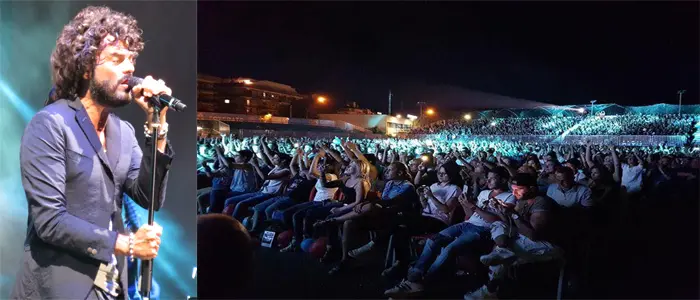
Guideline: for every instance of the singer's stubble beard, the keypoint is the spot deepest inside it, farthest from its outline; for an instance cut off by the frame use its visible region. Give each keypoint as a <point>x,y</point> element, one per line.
<point>108,95</point>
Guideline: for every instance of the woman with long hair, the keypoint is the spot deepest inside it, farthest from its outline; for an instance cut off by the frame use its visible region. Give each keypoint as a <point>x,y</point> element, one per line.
<point>355,186</point>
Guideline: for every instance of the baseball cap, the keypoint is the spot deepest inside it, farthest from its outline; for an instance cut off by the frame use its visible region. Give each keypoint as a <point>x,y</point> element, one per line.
<point>523,179</point>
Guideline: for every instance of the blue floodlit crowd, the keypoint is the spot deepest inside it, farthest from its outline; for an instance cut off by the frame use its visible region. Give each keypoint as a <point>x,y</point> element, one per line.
<point>503,203</point>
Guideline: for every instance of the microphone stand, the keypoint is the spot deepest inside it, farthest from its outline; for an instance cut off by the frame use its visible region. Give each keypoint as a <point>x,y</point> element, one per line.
<point>147,265</point>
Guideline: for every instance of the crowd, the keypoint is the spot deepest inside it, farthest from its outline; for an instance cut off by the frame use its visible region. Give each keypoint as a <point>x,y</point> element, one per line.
<point>501,203</point>
<point>578,125</point>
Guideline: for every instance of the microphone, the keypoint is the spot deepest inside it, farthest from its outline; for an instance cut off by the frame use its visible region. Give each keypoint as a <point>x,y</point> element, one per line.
<point>164,100</point>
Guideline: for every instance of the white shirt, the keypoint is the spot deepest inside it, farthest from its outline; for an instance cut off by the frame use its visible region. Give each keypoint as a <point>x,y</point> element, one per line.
<point>632,177</point>
<point>325,193</point>
<point>577,194</point>
<point>483,201</point>
<point>273,186</point>
<point>443,194</point>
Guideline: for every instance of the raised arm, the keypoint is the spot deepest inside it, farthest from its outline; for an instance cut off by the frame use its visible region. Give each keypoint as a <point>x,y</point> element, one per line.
<point>617,174</point>
<point>267,157</point>
<point>292,164</point>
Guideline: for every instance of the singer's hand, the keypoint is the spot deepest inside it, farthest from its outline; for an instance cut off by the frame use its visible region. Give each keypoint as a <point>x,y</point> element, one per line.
<point>148,88</point>
<point>147,241</point>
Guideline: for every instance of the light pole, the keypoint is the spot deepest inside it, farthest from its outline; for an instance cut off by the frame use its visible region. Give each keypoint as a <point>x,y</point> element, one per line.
<point>680,98</point>
<point>420,105</point>
<point>592,103</point>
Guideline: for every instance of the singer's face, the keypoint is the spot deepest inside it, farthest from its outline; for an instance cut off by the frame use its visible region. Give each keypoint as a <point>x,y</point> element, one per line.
<point>115,64</point>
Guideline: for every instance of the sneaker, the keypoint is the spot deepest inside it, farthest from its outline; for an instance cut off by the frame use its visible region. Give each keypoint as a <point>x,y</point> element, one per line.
<point>403,289</point>
<point>482,293</point>
<point>498,256</point>
<point>362,250</point>
<point>292,247</point>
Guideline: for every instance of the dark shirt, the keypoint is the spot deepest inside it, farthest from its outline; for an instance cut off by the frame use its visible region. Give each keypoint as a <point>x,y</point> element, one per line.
<point>299,188</point>
<point>541,204</point>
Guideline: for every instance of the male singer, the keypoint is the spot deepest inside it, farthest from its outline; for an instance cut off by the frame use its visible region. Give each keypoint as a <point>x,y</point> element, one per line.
<point>77,159</point>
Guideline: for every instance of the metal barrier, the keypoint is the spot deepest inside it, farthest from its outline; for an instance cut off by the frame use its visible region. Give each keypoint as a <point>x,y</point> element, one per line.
<point>301,134</point>
<point>278,120</point>
<point>623,140</point>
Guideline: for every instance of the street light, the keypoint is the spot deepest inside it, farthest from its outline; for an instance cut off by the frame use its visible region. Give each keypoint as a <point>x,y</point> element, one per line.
<point>420,106</point>
<point>680,98</point>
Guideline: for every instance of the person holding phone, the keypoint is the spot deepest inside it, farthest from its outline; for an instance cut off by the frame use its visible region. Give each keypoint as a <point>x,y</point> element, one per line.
<point>454,240</point>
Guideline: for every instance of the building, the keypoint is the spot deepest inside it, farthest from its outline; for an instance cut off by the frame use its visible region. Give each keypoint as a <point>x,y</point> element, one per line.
<point>389,125</point>
<point>248,96</point>
<point>354,109</point>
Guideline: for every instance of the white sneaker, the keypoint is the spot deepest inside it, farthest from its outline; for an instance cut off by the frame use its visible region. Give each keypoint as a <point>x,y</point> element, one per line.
<point>362,250</point>
<point>482,293</point>
<point>403,289</point>
<point>498,256</point>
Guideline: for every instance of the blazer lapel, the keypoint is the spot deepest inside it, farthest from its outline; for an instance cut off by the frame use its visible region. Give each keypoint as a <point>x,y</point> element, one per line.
<point>114,140</point>
<point>90,132</point>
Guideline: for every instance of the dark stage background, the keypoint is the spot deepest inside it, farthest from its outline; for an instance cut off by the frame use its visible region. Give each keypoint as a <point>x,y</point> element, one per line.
<point>28,32</point>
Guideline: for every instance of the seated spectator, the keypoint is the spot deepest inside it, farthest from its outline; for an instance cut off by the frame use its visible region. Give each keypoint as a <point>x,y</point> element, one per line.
<point>579,175</point>
<point>454,240</point>
<point>522,235</point>
<point>568,193</point>
<point>273,185</point>
<point>297,191</point>
<point>241,178</point>
<point>399,196</point>
<point>302,216</point>
<point>438,204</point>
<point>633,174</point>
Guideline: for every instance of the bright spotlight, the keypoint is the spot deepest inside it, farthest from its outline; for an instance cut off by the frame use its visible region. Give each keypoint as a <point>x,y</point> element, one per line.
<point>227,101</point>
<point>581,110</point>
<point>493,124</point>
<point>467,117</point>
<point>430,112</point>
<point>398,116</point>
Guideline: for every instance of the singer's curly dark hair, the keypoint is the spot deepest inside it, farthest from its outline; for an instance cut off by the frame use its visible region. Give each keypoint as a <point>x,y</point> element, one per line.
<point>80,42</point>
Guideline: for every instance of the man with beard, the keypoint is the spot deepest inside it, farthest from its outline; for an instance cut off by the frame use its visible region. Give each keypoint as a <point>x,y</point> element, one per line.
<point>77,160</point>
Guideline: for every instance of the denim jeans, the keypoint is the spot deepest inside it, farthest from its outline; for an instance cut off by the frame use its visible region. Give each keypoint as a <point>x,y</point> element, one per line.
<point>445,247</point>
<point>243,202</point>
<point>263,211</point>
<point>304,220</point>
<point>289,213</point>
<point>217,198</point>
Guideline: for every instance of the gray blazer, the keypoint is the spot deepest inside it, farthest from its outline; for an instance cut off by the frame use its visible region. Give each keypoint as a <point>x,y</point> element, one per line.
<point>74,189</point>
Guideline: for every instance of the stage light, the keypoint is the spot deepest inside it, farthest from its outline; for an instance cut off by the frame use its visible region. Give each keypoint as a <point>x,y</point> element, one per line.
<point>227,101</point>
<point>430,112</point>
<point>467,117</point>
<point>398,116</point>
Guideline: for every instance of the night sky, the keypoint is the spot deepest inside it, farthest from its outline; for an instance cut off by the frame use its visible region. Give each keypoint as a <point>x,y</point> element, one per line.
<point>554,52</point>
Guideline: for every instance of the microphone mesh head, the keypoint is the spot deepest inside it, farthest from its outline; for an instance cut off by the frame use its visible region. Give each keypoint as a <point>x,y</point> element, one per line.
<point>134,81</point>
